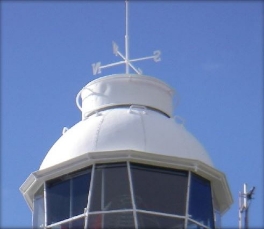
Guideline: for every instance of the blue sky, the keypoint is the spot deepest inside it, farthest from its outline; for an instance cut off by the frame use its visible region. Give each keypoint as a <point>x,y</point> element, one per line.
<point>212,55</point>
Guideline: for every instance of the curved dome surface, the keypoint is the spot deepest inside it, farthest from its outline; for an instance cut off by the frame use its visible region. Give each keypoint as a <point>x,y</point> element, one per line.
<point>126,128</point>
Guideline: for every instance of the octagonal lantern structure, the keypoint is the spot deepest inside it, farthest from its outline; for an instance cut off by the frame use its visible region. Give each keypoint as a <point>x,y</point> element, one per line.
<point>127,164</point>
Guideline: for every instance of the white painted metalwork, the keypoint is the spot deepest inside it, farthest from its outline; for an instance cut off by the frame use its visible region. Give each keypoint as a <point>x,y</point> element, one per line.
<point>64,130</point>
<point>125,133</point>
<point>89,197</point>
<point>54,225</point>
<point>126,40</point>
<point>218,179</point>
<point>140,108</point>
<point>244,203</point>
<point>132,195</point>
<point>199,224</point>
<point>110,211</point>
<point>105,93</point>
<point>161,214</point>
<point>45,205</point>
<point>187,199</point>
<point>87,211</point>
<point>97,67</point>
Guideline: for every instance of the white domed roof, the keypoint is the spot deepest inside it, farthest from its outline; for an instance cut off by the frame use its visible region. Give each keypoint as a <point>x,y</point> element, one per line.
<point>126,112</point>
<point>130,128</point>
<point>133,125</point>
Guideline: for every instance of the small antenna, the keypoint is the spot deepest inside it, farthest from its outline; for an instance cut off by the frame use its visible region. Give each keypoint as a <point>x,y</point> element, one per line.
<point>244,203</point>
<point>97,67</point>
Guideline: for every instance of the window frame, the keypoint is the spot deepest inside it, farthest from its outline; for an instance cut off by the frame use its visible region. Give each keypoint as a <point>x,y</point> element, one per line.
<point>134,210</point>
<point>70,179</point>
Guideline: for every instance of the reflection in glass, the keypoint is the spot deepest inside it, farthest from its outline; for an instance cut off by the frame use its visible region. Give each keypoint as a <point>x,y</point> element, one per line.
<point>200,207</point>
<point>149,221</point>
<point>217,216</point>
<point>67,196</point>
<point>111,188</point>
<point>38,206</point>
<point>159,189</point>
<point>74,224</point>
<point>58,201</point>
<point>192,225</point>
<point>156,190</point>
<point>111,221</point>
<point>80,190</point>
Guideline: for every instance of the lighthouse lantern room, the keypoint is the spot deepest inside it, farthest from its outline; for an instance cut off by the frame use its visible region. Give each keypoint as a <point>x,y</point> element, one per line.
<point>129,163</point>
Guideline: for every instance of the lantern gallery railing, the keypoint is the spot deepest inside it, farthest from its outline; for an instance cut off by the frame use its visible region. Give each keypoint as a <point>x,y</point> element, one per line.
<point>125,195</point>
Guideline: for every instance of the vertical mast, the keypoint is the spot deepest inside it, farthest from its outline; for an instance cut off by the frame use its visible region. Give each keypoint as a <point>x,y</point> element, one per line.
<point>97,67</point>
<point>244,202</point>
<point>126,40</point>
<point>246,206</point>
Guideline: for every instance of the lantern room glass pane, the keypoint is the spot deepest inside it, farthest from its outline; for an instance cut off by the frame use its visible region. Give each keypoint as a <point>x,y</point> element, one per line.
<point>74,224</point>
<point>58,201</point>
<point>67,196</point>
<point>80,190</point>
<point>159,189</point>
<point>111,188</point>
<point>201,208</point>
<point>192,225</point>
<point>217,219</point>
<point>150,221</point>
<point>38,209</point>
<point>122,220</point>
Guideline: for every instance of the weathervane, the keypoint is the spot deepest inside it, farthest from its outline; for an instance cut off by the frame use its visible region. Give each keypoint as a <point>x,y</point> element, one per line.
<point>97,67</point>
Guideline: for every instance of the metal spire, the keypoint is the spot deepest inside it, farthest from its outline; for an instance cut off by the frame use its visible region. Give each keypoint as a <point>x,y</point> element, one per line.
<point>127,40</point>
<point>97,67</point>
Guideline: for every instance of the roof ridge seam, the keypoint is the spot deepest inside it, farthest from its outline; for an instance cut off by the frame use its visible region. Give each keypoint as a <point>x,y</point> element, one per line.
<point>98,131</point>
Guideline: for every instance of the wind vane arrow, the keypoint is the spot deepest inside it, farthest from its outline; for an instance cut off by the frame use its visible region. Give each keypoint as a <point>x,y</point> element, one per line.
<point>97,67</point>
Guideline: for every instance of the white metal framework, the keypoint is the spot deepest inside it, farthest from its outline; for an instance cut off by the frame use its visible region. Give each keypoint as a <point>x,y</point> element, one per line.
<point>131,216</point>
<point>245,198</point>
<point>97,67</point>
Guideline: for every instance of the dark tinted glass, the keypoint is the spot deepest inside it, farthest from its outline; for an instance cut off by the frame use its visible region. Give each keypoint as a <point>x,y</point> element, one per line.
<point>111,221</point>
<point>80,190</point>
<point>111,188</point>
<point>192,225</point>
<point>159,189</point>
<point>58,201</point>
<point>67,196</point>
<point>150,221</point>
<point>200,208</point>
<point>75,224</point>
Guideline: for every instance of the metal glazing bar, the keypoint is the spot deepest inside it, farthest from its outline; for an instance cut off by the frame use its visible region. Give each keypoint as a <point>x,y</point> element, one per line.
<point>132,195</point>
<point>161,214</point>
<point>89,198</point>
<point>45,205</point>
<point>111,211</point>
<point>66,221</point>
<point>200,224</point>
<point>187,199</point>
